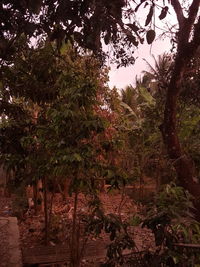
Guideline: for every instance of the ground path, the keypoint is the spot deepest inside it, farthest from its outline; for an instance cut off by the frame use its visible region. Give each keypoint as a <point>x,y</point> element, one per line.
<point>31,227</point>
<point>32,233</point>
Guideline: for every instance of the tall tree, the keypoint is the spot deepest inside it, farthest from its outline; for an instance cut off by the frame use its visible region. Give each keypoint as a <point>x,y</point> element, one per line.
<point>188,42</point>
<point>88,23</point>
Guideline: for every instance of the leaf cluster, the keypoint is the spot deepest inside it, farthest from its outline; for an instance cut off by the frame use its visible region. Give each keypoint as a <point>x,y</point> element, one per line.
<point>88,24</point>
<point>172,221</point>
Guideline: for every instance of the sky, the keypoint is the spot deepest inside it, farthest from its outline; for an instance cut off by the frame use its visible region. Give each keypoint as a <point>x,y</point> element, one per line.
<point>126,76</point>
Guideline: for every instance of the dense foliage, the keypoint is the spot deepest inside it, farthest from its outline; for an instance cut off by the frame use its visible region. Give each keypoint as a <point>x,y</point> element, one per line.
<point>60,121</point>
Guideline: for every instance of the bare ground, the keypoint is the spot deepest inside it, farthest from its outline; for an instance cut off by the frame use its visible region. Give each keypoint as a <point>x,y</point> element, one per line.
<point>32,227</point>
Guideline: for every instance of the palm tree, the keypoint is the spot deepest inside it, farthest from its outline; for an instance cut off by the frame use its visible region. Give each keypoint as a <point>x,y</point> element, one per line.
<point>129,96</point>
<point>159,75</point>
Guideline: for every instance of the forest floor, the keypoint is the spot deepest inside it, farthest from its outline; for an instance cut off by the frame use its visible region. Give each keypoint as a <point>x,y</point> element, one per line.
<point>32,232</point>
<point>32,227</point>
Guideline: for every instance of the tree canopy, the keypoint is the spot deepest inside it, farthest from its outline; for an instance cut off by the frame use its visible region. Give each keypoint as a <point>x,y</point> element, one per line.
<point>89,24</point>
<point>59,119</point>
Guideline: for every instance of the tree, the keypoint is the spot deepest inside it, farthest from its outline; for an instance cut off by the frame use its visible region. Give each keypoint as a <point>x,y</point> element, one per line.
<point>157,77</point>
<point>129,96</point>
<point>188,42</point>
<point>85,22</point>
<point>143,113</point>
<point>187,122</point>
<point>69,131</point>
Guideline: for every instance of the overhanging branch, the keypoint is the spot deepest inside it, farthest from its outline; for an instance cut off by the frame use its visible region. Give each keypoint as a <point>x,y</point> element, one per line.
<point>179,12</point>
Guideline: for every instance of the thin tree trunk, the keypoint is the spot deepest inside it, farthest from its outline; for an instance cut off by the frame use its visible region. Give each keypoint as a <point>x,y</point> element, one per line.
<point>51,207</point>
<point>74,244</point>
<point>46,212</point>
<point>35,197</point>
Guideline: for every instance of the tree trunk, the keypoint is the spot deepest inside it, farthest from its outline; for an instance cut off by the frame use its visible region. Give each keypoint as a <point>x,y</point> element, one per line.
<point>46,212</point>
<point>35,197</point>
<point>188,42</point>
<point>75,238</point>
<point>181,161</point>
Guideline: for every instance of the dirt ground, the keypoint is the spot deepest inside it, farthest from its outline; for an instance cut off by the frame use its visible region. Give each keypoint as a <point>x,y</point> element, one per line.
<point>32,227</point>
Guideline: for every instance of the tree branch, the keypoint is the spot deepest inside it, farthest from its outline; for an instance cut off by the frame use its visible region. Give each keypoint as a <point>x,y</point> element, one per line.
<point>179,12</point>
<point>192,46</point>
<point>196,38</point>
<point>193,10</point>
<point>185,24</point>
<point>192,15</point>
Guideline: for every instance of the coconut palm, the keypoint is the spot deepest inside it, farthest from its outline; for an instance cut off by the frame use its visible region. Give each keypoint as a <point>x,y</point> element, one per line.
<point>159,74</point>
<point>129,96</point>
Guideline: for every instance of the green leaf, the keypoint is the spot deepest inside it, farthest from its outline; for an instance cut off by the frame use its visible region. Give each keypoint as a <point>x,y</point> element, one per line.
<point>65,158</point>
<point>128,108</point>
<point>163,12</point>
<point>107,38</point>
<point>110,174</point>
<point>147,96</point>
<point>149,16</point>
<point>133,26</point>
<point>137,7</point>
<point>64,48</point>
<point>77,157</point>
<point>135,220</point>
<point>150,36</point>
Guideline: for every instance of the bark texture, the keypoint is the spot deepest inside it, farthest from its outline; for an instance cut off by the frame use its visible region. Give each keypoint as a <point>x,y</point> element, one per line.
<point>188,43</point>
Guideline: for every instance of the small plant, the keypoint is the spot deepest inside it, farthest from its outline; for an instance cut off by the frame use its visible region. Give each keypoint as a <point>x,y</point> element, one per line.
<point>20,203</point>
<point>171,221</point>
<point>19,206</point>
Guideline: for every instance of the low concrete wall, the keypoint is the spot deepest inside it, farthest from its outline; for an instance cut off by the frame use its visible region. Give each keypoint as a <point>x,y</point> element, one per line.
<point>13,251</point>
<point>14,243</point>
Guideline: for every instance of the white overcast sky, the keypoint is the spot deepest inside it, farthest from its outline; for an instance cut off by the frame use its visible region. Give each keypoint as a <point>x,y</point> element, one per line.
<point>126,76</point>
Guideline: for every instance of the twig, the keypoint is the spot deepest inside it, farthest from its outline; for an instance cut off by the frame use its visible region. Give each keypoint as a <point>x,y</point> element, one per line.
<point>187,245</point>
